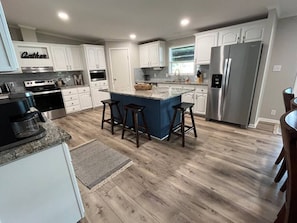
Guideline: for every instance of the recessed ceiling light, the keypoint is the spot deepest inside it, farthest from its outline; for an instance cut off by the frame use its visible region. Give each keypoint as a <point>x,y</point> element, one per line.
<point>63,15</point>
<point>132,36</point>
<point>184,22</point>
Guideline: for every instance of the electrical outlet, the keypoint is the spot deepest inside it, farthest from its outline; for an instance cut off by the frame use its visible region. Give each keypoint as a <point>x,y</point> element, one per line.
<point>277,68</point>
<point>273,112</point>
<point>155,75</point>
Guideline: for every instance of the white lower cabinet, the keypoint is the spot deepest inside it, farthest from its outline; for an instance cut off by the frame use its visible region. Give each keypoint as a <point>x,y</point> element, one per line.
<point>71,100</point>
<point>198,97</point>
<point>85,99</point>
<point>188,97</point>
<point>97,95</point>
<point>200,100</point>
<point>77,99</point>
<point>40,188</point>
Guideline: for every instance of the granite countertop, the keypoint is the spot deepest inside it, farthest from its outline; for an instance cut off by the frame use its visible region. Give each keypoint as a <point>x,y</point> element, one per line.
<point>157,93</point>
<point>54,136</point>
<point>172,82</point>
<point>73,86</point>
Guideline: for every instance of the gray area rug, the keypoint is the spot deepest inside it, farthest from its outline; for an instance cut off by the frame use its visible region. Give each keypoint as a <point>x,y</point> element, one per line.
<point>94,162</point>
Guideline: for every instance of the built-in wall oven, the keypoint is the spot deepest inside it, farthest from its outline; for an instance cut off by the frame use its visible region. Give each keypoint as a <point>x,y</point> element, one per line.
<point>98,75</point>
<point>48,97</point>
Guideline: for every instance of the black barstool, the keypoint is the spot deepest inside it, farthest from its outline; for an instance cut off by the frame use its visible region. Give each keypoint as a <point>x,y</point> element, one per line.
<point>180,128</point>
<point>135,110</point>
<point>113,120</point>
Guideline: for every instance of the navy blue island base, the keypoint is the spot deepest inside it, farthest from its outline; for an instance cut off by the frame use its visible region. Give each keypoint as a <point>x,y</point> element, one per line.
<point>158,112</point>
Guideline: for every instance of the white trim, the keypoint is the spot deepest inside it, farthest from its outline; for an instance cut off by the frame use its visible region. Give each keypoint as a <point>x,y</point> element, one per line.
<point>273,121</point>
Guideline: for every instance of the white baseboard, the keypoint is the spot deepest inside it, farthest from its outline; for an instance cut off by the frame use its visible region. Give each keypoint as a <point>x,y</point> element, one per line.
<point>273,121</point>
<point>276,129</point>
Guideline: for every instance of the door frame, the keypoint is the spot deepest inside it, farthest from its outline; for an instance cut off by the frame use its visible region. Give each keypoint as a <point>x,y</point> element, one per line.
<point>129,65</point>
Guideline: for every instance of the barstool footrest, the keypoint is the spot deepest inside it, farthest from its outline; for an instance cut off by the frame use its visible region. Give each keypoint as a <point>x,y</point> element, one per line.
<point>178,128</point>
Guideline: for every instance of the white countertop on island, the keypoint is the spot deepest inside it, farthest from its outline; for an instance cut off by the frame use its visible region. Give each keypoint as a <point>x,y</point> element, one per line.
<point>156,93</point>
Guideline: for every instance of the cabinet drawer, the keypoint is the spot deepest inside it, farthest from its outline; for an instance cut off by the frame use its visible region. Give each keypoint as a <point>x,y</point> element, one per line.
<point>70,97</point>
<point>83,90</point>
<point>201,89</point>
<point>72,109</point>
<point>69,91</point>
<point>71,103</point>
<point>102,84</point>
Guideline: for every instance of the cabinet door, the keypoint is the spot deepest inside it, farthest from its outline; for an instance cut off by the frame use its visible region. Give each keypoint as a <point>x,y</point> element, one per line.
<point>101,58</point>
<point>188,97</point>
<point>74,58</point>
<point>98,96</point>
<point>203,45</point>
<point>144,55</point>
<point>200,103</point>
<point>254,32</point>
<point>229,36</point>
<point>59,58</point>
<point>8,60</point>
<point>154,59</point>
<point>48,174</point>
<point>92,58</point>
<point>85,101</point>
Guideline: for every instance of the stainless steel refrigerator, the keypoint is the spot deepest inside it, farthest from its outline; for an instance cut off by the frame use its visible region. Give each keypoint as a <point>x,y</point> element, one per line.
<point>233,74</point>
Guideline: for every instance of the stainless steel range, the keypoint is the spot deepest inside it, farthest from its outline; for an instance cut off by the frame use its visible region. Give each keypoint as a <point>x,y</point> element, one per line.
<point>48,97</point>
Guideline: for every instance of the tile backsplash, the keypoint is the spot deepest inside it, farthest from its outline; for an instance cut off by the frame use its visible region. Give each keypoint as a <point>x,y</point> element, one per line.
<point>142,74</point>
<point>67,77</point>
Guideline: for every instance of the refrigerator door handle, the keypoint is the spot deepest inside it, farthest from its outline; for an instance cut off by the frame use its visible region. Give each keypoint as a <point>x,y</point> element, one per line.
<point>228,74</point>
<point>226,85</point>
<point>225,77</point>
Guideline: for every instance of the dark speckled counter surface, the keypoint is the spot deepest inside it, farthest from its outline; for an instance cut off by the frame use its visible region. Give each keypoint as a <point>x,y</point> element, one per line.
<point>54,136</point>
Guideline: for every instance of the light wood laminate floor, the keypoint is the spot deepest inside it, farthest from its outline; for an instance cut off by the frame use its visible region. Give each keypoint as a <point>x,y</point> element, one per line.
<point>224,175</point>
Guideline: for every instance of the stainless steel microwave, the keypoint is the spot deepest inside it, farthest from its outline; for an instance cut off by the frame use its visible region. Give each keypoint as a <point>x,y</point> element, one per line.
<point>97,75</point>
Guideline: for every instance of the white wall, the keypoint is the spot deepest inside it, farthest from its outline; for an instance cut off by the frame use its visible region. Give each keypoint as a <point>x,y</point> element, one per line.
<point>284,53</point>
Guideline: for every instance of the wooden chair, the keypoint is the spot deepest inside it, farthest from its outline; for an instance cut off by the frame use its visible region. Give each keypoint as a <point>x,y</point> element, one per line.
<point>181,128</point>
<point>135,111</point>
<point>114,119</point>
<point>288,213</point>
<point>288,95</point>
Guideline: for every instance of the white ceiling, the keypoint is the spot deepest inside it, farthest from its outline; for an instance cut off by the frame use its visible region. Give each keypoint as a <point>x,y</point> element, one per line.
<point>95,20</point>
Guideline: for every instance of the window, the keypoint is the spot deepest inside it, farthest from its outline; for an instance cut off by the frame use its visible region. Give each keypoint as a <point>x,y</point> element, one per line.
<point>181,60</point>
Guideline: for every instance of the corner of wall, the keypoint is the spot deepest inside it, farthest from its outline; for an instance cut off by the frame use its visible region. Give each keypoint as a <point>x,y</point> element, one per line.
<point>268,41</point>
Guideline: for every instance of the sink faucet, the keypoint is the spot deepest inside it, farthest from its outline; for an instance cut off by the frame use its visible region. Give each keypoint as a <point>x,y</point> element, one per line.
<point>177,73</point>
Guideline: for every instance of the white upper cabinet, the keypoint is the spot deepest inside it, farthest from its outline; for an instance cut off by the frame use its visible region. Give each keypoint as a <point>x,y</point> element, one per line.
<point>229,36</point>
<point>203,44</point>
<point>8,61</point>
<point>66,57</point>
<point>95,57</point>
<point>152,54</point>
<point>247,32</point>
<point>243,33</point>
<point>252,32</point>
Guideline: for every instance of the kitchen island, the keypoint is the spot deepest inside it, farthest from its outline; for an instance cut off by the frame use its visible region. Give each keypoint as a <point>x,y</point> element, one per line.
<point>38,183</point>
<point>158,104</point>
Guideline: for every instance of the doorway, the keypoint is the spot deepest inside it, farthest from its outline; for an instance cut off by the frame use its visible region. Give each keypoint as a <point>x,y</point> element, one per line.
<point>120,68</point>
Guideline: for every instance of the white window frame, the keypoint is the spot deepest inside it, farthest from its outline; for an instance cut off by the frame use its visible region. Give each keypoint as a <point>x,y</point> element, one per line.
<point>171,72</point>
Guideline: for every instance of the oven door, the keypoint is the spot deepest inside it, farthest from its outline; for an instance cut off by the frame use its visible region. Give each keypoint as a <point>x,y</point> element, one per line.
<point>50,103</point>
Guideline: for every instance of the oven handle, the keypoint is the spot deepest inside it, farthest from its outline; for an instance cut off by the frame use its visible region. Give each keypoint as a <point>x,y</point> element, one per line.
<point>46,92</point>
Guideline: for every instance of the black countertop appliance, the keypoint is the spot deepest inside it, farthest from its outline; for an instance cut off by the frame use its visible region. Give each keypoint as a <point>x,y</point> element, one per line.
<point>18,124</point>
